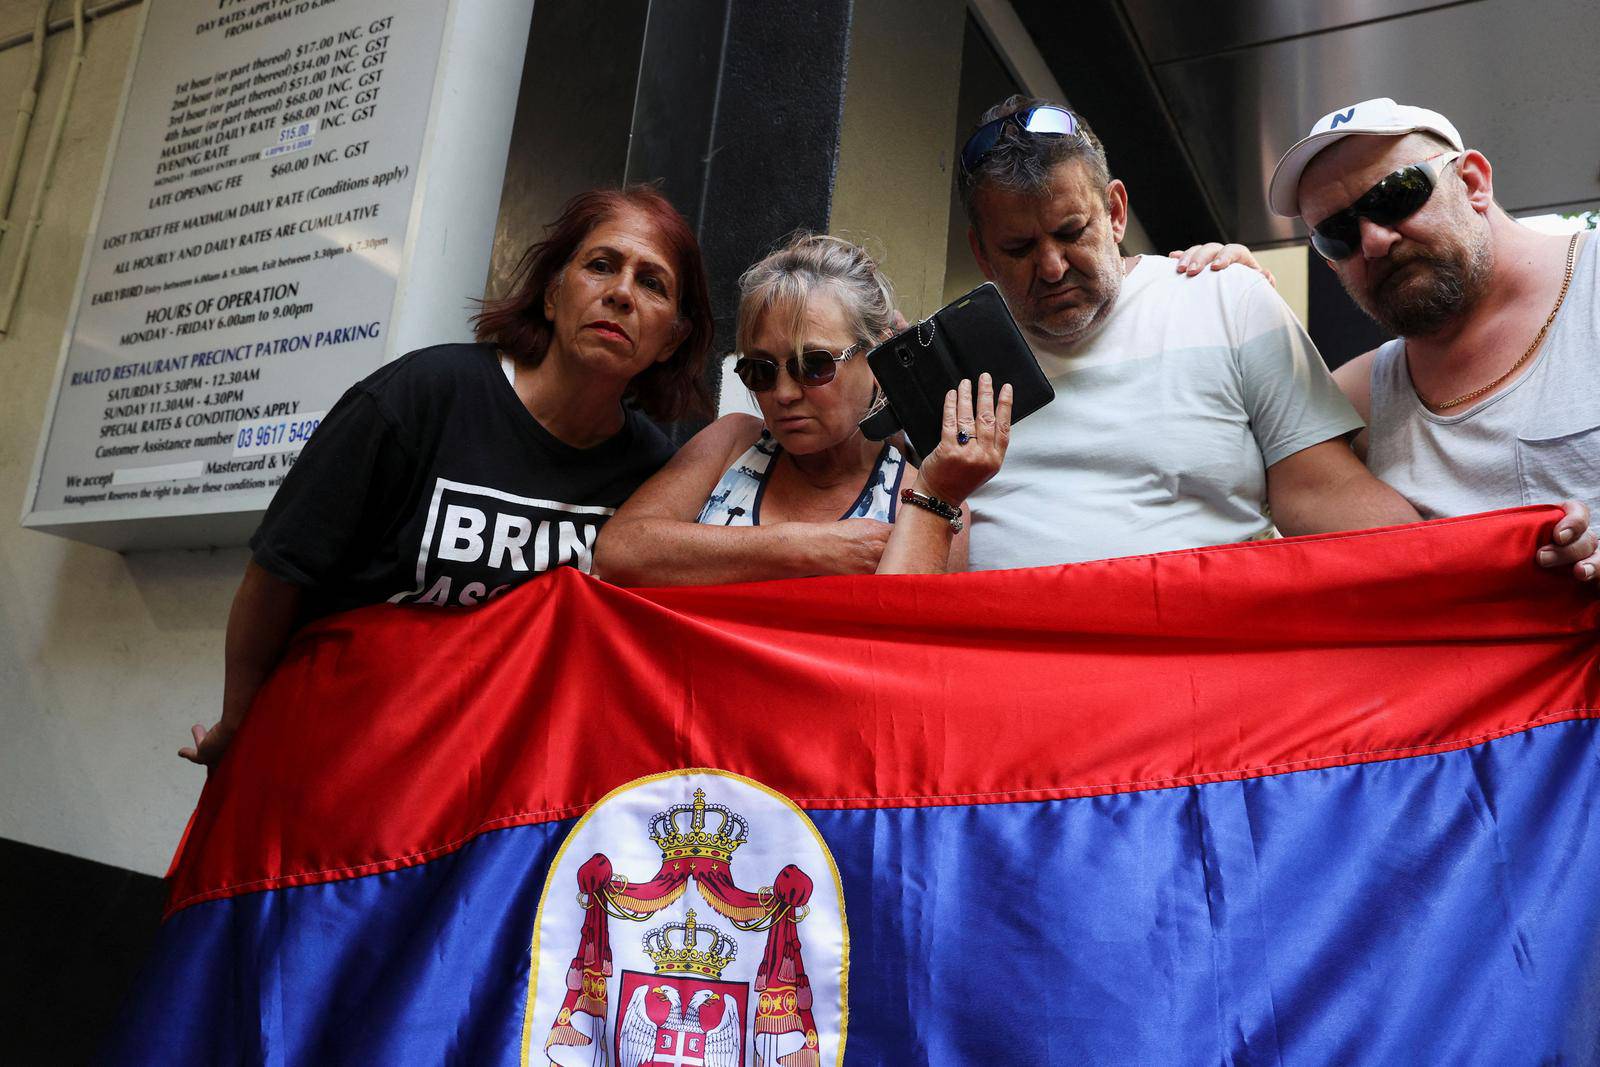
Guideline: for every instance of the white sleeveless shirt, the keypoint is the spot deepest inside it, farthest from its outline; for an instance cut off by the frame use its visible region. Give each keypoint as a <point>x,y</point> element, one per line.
<point>736,501</point>
<point>1536,442</point>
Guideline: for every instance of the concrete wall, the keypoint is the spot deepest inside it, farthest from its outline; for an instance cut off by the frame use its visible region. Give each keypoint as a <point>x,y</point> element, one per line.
<point>104,659</point>
<point>1291,269</point>
<point>892,189</point>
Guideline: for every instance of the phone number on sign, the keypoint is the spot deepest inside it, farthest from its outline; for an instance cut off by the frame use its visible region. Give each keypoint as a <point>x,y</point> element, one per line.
<point>285,434</point>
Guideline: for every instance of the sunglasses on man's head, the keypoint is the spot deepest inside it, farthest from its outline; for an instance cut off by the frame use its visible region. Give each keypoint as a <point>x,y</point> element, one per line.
<point>1046,119</point>
<point>811,368</point>
<point>1394,199</point>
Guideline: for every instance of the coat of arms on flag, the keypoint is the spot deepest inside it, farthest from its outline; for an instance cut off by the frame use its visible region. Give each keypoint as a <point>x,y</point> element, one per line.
<point>657,946</point>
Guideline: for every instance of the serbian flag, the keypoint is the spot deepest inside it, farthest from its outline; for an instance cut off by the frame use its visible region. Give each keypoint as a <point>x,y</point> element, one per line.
<point>1322,800</point>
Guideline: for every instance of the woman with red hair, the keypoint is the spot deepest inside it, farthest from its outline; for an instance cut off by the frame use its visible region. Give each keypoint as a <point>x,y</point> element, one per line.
<point>457,472</point>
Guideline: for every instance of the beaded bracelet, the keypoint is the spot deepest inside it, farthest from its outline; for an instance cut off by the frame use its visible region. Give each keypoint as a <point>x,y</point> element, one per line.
<point>935,505</point>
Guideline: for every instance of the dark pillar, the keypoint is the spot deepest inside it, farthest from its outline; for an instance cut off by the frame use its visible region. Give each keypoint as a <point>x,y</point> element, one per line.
<point>738,116</point>
<point>732,106</point>
<point>676,103</point>
<point>574,108</point>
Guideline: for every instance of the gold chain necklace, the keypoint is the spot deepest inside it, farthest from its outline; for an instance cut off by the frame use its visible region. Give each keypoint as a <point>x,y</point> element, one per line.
<point>1572,249</point>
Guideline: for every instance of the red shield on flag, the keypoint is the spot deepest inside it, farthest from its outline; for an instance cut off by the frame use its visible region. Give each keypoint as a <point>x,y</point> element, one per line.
<point>675,1023</point>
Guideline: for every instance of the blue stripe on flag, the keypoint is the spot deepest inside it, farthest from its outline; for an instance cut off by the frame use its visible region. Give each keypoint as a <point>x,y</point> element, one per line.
<point>1436,909</point>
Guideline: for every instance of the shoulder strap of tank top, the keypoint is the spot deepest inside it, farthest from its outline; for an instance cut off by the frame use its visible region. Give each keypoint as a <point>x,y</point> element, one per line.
<point>737,496</point>
<point>1389,378</point>
<point>878,498</point>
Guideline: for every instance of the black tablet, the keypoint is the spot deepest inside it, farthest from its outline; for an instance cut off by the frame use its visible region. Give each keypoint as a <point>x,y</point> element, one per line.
<point>970,335</point>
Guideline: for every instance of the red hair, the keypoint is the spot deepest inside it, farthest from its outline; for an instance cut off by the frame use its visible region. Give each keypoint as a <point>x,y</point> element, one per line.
<point>668,390</point>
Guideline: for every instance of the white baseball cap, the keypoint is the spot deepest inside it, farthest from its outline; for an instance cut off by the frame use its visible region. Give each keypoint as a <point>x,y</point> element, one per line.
<point>1381,117</point>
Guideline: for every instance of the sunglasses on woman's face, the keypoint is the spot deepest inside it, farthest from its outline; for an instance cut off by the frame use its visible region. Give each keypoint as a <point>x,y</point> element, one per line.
<point>812,368</point>
<point>1394,199</point>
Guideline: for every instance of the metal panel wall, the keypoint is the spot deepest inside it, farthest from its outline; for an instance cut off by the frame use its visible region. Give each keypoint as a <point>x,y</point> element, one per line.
<point>1172,31</point>
<point>1519,80</point>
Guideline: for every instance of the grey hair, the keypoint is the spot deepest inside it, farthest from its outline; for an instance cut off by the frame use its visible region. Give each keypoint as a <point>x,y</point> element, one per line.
<point>1021,162</point>
<point>807,262</point>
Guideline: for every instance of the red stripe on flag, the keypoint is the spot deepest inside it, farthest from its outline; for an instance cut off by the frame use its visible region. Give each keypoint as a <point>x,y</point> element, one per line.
<point>393,735</point>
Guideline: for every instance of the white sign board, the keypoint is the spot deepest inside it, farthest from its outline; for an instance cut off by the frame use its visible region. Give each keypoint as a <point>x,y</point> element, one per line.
<point>244,262</point>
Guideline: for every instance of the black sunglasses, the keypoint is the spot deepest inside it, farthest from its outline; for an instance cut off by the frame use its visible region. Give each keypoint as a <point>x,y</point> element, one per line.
<point>811,368</point>
<point>1396,198</point>
<point>1046,119</point>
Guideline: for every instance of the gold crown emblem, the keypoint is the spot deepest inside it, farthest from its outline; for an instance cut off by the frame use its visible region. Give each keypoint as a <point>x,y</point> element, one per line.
<point>703,950</point>
<point>696,841</point>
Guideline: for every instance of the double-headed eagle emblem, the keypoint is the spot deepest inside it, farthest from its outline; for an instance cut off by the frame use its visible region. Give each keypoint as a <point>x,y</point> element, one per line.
<point>687,1013</point>
<point>682,1035</point>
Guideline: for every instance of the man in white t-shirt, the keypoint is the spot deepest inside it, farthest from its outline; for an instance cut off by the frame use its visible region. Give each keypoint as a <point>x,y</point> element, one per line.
<point>1189,410</point>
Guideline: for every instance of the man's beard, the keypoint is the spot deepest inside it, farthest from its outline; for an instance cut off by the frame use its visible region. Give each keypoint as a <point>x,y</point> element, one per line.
<point>1071,325</point>
<point>1433,293</point>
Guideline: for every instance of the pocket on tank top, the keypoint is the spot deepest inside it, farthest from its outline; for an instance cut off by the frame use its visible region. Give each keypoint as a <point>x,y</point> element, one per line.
<point>1560,461</point>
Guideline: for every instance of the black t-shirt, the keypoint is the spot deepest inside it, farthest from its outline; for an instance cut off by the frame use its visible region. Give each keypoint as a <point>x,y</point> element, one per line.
<point>430,483</point>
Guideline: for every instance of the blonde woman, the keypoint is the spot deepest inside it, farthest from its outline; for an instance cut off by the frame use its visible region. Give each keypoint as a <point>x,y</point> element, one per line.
<point>800,491</point>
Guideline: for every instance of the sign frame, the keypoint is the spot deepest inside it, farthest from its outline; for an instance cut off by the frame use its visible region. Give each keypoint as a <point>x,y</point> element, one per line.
<point>471,104</point>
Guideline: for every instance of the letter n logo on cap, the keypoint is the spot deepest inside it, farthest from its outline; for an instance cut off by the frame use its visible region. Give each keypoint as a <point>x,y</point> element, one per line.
<point>1343,116</point>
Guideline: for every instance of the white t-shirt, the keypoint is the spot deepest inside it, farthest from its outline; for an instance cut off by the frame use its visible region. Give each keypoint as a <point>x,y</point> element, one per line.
<point>1164,423</point>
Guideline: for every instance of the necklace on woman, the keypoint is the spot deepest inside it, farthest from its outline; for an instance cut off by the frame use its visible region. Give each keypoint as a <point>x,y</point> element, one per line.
<point>1572,248</point>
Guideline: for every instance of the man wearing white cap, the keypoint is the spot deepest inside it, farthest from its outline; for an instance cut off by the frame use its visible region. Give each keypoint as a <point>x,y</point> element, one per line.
<point>1489,395</point>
